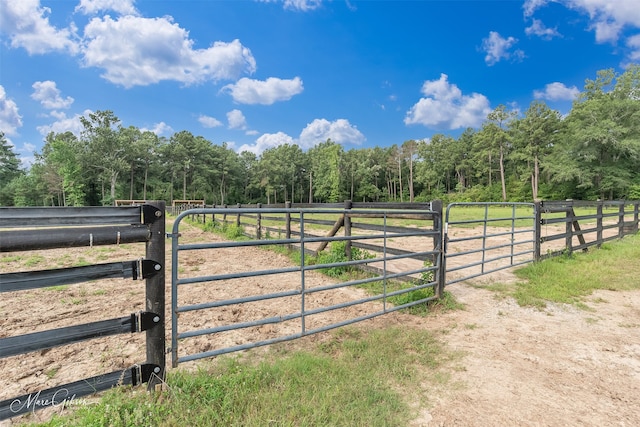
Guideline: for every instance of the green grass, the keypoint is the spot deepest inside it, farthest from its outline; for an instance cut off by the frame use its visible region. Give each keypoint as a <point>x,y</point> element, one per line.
<point>569,279</point>
<point>34,260</point>
<point>10,258</point>
<point>355,378</point>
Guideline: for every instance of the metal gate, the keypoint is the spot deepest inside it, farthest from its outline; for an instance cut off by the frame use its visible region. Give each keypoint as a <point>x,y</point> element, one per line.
<point>482,238</point>
<point>227,296</point>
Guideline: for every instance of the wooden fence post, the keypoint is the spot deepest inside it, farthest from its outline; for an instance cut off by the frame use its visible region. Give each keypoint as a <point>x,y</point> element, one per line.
<point>599,224</point>
<point>621,221</point>
<point>259,223</point>
<point>155,294</point>
<point>347,228</point>
<point>569,226</point>
<point>238,216</point>
<point>287,215</point>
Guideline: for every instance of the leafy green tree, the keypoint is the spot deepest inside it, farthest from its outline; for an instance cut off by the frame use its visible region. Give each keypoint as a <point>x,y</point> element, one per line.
<point>602,150</point>
<point>410,153</point>
<point>535,135</point>
<point>9,170</point>
<point>63,169</point>
<point>326,161</point>
<point>496,139</point>
<point>106,149</point>
<point>437,167</point>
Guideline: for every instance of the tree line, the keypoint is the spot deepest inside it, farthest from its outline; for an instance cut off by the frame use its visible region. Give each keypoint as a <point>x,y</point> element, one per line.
<point>591,153</point>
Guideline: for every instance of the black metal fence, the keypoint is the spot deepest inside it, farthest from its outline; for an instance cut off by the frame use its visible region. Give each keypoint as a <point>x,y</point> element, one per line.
<point>28,229</point>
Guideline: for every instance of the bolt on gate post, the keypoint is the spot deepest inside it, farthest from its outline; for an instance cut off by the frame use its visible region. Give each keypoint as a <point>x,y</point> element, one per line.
<point>155,294</point>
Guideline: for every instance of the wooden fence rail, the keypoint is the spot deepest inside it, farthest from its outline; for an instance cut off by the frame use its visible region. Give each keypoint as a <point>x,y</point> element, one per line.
<point>582,224</point>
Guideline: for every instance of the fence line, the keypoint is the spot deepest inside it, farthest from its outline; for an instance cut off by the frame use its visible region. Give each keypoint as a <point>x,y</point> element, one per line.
<point>78,227</point>
<point>572,225</point>
<point>572,222</point>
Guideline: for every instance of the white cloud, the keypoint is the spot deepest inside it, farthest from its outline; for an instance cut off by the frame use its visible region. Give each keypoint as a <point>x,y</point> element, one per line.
<point>142,51</point>
<point>27,25</point>
<point>530,6</point>
<point>319,130</point>
<point>160,128</point>
<point>268,140</point>
<point>236,120</point>
<point>557,92</point>
<point>248,91</point>
<point>303,5</point>
<point>340,131</point>
<point>122,7</point>
<point>537,28</point>
<point>209,122</point>
<point>497,48</point>
<point>608,17</point>
<point>634,44</point>
<point>49,95</point>
<point>10,119</point>
<point>445,107</point>
<point>65,124</point>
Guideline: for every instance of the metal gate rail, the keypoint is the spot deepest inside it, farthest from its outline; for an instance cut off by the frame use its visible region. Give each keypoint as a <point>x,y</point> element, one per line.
<point>492,243</point>
<point>306,293</point>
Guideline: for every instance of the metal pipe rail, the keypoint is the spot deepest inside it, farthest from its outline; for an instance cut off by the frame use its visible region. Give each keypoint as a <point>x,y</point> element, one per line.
<point>384,233</point>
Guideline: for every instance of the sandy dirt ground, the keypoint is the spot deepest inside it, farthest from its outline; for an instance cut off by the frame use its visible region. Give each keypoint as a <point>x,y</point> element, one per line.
<point>518,366</point>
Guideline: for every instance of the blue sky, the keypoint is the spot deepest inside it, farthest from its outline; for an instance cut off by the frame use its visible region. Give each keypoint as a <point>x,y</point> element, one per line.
<point>255,74</point>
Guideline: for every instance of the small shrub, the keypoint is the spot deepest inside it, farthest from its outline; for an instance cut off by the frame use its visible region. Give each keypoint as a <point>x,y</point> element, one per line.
<point>338,253</point>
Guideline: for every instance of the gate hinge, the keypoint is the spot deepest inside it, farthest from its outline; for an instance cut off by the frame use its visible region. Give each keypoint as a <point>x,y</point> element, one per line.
<point>150,214</point>
<point>145,268</point>
<point>141,374</point>
<point>144,320</point>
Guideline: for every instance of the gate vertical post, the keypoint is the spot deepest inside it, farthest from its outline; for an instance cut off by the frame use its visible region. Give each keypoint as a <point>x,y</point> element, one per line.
<point>537,233</point>
<point>440,277</point>
<point>347,228</point>
<point>155,293</point>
